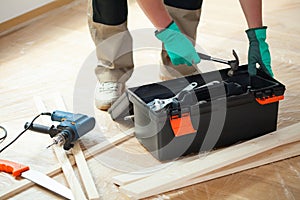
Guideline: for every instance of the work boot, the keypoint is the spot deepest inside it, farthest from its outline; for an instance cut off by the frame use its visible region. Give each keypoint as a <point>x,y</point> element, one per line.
<point>187,21</point>
<point>106,93</point>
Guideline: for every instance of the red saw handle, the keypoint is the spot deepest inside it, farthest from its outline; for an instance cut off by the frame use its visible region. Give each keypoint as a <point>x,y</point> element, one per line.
<point>13,168</point>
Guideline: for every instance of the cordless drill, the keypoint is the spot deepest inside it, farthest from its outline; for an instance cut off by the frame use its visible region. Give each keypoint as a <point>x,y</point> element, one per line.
<point>71,128</point>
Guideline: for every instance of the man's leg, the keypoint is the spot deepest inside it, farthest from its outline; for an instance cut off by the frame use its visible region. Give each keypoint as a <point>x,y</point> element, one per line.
<point>108,27</point>
<point>186,15</point>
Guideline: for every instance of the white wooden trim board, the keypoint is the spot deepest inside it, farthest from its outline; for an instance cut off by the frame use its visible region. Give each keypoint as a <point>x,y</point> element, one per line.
<point>277,154</point>
<point>167,180</point>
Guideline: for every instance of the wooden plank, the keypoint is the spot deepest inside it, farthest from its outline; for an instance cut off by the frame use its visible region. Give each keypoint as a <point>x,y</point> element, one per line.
<point>85,174</point>
<point>56,169</point>
<point>110,143</point>
<point>124,179</point>
<point>167,180</point>
<point>277,154</point>
<point>69,173</point>
<point>64,161</point>
<point>280,153</point>
<point>84,171</point>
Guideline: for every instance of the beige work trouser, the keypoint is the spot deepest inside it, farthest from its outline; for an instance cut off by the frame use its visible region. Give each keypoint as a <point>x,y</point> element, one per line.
<point>114,47</point>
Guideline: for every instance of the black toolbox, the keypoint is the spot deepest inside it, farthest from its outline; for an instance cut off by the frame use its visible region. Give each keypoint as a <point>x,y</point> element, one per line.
<point>239,108</point>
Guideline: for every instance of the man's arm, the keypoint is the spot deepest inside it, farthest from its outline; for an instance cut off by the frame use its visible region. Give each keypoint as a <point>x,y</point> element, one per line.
<point>253,12</point>
<point>258,48</point>
<point>179,48</point>
<point>156,13</point>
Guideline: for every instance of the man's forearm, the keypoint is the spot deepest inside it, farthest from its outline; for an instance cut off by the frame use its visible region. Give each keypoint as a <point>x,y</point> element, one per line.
<point>156,12</point>
<point>253,12</point>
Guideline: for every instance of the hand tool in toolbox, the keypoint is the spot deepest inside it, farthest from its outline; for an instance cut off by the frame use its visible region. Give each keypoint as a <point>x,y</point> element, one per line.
<point>71,128</point>
<point>158,104</point>
<point>39,178</point>
<point>234,64</point>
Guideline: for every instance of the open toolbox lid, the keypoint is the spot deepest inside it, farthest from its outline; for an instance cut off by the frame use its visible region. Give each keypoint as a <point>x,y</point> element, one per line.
<point>264,88</point>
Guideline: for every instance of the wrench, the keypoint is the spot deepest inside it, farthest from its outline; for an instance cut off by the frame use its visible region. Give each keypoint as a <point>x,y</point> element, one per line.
<point>159,104</point>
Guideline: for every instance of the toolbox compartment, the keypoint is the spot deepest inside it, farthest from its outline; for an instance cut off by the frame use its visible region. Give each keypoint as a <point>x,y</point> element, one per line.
<point>238,109</point>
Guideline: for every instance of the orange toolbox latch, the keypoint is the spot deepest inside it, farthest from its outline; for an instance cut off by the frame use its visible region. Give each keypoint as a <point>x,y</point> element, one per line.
<point>267,97</point>
<point>182,124</point>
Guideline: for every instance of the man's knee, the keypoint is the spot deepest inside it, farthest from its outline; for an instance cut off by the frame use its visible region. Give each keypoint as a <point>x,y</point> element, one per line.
<point>185,4</point>
<point>110,12</point>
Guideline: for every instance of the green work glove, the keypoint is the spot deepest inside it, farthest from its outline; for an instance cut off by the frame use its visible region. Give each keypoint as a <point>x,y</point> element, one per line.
<point>258,51</point>
<point>179,48</point>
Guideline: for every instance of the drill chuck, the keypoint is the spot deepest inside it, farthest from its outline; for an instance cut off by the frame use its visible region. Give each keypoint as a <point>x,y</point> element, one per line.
<point>65,138</point>
<point>58,140</point>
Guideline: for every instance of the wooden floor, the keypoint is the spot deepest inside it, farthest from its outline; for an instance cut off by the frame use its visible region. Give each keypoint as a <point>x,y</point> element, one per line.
<point>45,57</point>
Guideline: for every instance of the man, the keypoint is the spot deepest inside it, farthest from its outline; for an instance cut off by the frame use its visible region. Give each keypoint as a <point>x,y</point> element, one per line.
<point>176,22</point>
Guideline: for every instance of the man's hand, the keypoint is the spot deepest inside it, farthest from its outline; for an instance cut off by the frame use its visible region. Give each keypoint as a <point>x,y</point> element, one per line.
<point>180,49</point>
<point>258,51</point>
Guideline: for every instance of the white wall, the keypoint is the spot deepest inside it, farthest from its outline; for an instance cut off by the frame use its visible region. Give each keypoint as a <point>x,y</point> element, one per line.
<point>12,8</point>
